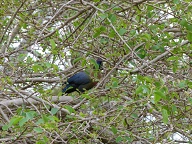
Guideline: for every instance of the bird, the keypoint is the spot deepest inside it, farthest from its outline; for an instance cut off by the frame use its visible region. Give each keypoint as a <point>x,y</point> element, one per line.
<point>81,81</point>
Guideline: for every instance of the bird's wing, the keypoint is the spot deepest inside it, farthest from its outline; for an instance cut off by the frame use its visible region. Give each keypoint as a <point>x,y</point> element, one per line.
<point>80,78</point>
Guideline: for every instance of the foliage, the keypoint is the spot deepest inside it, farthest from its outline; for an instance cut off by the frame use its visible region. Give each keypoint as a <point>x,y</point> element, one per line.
<point>144,94</point>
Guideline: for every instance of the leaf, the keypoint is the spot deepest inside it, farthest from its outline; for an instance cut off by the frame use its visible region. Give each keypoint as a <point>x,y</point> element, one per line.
<point>92,61</point>
<point>148,79</point>
<point>77,60</point>
<point>98,31</point>
<point>112,33</point>
<point>165,116</point>
<point>132,32</point>
<point>119,139</point>
<point>5,127</point>
<point>174,108</point>
<point>134,115</point>
<point>176,1</point>
<point>146,36</point>
<point>141,53</point>
<point>30,115</point>
<point>182,84</point>
<point>122,31</point>
<point>103,16</point>
<point>115,84</point>
<point>54,111</point>
<point>173,58</point>
<point>190,100</point>
<point>52,42</point>
<point>139,90</point>
<point>103,40</point>
<point>45,118</point>
<point>22,121</point>
<point>38,129</point>
<point>87,96</point>
<point>112,18</point>
<point>40,121</point>
<point>114,130</point>
<point>15,120</point>
<point>158,95</point>
<point>69,108</point>
<point>189,27</point>
<point>189,36</point>
<point>37,68</point>
<point>184,23</point>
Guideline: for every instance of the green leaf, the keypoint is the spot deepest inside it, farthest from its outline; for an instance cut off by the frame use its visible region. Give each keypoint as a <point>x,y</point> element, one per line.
<point>139,90</point>
<point>114,130</point>
<point>112,18</point>
<point>190,100</point>
<point>157,84</point>
<point>77,60</point>
<point>47,64</point>
<point>128,138</point>
<point>165,116</point>
<point>69,108</point>
<point>182,84</point>
<point>54,111</point>
<point>119,139</point>
<point>52,42</point>
<point>134,115</point>
<point>173,58</point>
<point>132,32</point>
<point>92,61</point>
<point>5,127</point>
<point>146,36</point>
<point>189,36</point>
<point>174,108</point>
<point>98,31</point>
<point>122,31</point>
<point>30,115</point>
<point>141,53</point>
<point>112,33</point>
<point>45,118</point>
<point>15,120</point>
<point>103,16</point>
<point>184,23</point>
<point>40,121</point>
<point>22,121</point>
<point>189,27</point>
<point>142,89</point>
<point>103,40</point>
<point>158,95</point>
<point>87,96</point>
<point>148,79</point>
<point>37,67</point>
<point>38,129</point>
<point>115,84</point>
<point>176,1</point>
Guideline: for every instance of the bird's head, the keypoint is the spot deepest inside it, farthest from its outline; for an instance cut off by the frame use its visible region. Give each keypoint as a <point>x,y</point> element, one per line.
<point>100,63</point>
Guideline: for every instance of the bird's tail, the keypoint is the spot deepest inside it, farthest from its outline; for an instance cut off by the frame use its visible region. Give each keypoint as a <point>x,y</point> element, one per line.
<point>66,88</point>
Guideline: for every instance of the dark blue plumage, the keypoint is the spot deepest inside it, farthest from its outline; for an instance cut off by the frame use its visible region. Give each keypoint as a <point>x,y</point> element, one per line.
<point>81,81</point>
